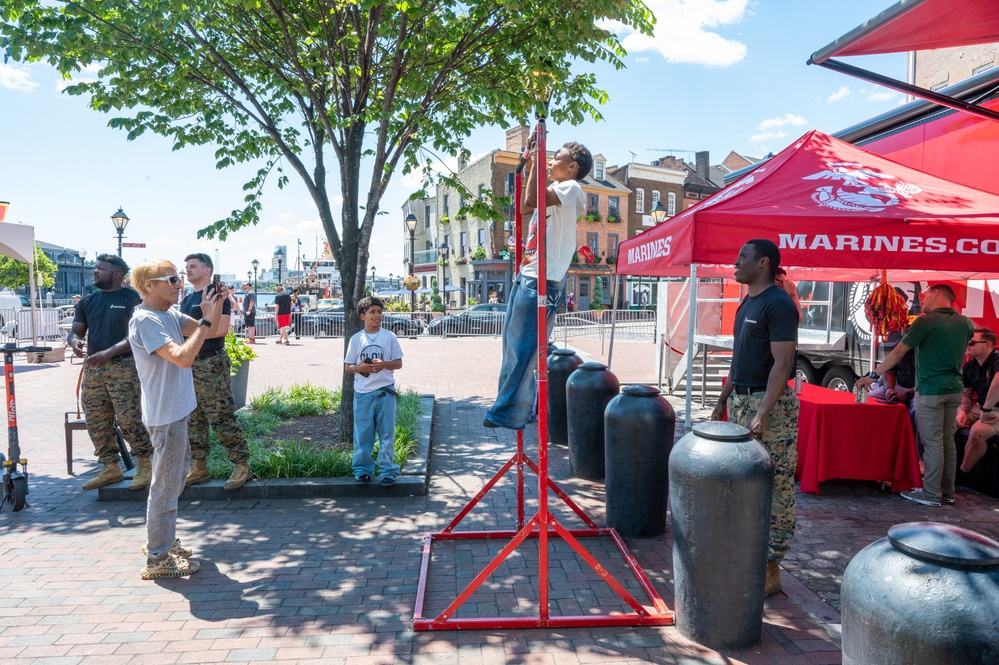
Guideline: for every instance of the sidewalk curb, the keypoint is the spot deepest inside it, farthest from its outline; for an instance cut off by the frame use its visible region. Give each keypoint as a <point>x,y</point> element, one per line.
<point>414,480</point>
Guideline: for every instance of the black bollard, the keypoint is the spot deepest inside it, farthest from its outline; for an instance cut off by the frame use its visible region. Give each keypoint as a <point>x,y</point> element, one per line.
<point>561,364</point>
<point>721,488</point>
<point>928,594</point>
<point>638,434</point>
<point>587,393</point>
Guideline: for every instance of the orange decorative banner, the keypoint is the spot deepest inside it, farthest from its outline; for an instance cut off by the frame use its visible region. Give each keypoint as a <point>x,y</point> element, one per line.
<point>3,209</point>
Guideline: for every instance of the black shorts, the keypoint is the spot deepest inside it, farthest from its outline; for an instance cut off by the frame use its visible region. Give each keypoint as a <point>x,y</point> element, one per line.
<point>249,320</point>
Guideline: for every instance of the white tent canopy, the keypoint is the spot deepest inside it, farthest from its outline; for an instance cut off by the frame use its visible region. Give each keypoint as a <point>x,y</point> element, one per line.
<point>18,242</point>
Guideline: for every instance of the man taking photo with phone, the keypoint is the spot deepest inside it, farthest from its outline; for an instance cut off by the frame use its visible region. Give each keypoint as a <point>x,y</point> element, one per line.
<point>211,384</point>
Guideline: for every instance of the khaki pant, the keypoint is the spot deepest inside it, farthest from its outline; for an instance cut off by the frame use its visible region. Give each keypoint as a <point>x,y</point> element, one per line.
<point>936,416</point>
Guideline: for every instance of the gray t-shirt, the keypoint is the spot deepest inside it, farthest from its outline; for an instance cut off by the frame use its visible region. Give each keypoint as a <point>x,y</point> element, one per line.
<point>167,389</point>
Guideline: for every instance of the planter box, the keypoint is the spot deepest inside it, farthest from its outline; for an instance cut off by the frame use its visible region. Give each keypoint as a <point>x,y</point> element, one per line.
<point>238,383</point>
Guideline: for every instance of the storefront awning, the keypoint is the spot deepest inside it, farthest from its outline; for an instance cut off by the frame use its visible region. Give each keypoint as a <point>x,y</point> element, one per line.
<point>917,25</point>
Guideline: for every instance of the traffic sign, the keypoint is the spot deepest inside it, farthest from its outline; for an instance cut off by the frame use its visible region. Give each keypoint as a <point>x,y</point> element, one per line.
<point>134,244</point>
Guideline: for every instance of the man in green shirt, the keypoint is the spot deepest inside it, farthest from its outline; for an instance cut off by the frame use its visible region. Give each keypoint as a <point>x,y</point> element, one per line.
<point>940,338</point>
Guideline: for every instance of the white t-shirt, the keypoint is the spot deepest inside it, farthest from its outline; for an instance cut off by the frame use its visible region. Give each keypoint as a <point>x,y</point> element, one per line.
<point>561,238</point>
<point>383,344</point>
<point>167,389</point>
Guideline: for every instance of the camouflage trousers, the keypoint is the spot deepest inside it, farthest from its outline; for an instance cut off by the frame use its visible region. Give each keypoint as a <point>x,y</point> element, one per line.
<point>780,440</point>
<point>109,391</point>
<point>215,408</point>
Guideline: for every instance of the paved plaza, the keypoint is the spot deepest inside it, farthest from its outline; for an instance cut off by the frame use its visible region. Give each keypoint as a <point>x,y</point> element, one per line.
<point>334,580</point>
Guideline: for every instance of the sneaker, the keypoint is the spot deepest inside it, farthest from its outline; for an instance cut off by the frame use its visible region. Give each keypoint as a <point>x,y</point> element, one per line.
<point>488,423</point>
<point>168,566</point>
<point>949,500</point>
<point>388,481</point>
<point>917,496</point>
<point>363,478</point>
<point>177,550</point>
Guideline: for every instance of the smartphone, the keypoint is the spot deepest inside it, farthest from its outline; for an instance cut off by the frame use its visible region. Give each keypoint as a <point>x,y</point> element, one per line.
<point>368,361</point>
<point>216,283</point>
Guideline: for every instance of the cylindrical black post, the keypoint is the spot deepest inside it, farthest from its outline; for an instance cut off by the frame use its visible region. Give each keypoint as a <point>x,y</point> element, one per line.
<point>561,364</point>
<point>928,594</point>
<point>638,433</point>
<point>587,393</point>
<point>721,487</point>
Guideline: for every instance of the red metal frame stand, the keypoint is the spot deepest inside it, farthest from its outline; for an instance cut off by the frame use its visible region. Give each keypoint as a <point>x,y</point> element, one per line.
<point>542,525</point>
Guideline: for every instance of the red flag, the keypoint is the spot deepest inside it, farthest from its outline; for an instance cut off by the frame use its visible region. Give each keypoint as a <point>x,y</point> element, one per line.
<point>3,209</point>
<point>586,253</point>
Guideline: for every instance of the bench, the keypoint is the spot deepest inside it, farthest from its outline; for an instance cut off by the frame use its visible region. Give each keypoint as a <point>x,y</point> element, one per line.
<point>73,422</point>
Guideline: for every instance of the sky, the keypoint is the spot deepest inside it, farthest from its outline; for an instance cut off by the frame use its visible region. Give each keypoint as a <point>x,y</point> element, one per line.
<point>718,75</point>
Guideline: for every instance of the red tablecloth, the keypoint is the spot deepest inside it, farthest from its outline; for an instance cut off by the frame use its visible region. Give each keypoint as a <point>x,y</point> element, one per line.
<point>838,438</point>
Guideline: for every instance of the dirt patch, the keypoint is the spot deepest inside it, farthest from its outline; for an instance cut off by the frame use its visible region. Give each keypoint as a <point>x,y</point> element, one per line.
<point>320,431</point>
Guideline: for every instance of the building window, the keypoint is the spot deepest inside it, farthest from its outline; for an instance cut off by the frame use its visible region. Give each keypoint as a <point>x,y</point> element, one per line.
<point>461,202</point>
<point>598,170</point>
<point>593,242</point>
<point>613,207</point>
<point>639,200</point>
<point>983,68</point>
<point>482,192</point>
<point>940,86</point>
<point>655,197</point>
<point>592,204</point>
<point>464,242</point>
<point>447,204</point>
<point>584,287</point>
<point>429,246</point>
<point>482,238</point>
<point>671,203</point>
<point>426,216</point>
<point>612,240</point>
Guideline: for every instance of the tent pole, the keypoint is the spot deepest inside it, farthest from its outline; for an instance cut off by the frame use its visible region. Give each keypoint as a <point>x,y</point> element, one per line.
<point>691,328</point>
<point>31,294</point>
<point>610,351</point>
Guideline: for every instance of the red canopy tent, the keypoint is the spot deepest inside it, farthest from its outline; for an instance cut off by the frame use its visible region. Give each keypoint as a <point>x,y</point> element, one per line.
<point>838,213</point>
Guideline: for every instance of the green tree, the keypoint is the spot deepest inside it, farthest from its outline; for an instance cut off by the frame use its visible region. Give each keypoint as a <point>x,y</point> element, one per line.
<point>14,273</point>
<point>281,84</point>
<point>597,302</point>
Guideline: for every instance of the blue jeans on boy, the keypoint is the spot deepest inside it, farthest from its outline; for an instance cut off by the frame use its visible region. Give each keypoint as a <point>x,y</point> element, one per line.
<point>374,411</point>
<point>515,396</point>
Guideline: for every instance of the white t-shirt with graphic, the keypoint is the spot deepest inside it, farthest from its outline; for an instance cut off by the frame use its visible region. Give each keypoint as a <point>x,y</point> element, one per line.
<point>382,344</point>
<point>561,238</point>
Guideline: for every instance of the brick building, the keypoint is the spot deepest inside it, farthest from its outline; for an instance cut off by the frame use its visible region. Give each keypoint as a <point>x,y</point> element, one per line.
<point>944,67</point>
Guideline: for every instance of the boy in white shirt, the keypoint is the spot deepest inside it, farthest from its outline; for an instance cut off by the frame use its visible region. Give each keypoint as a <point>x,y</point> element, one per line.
<point>565,204</point>
<point>372,356</point>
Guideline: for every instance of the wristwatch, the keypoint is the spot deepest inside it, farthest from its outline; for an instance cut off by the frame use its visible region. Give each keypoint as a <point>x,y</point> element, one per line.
<point>984,410</point>
<point>873,374</point>
<point>205,322</point>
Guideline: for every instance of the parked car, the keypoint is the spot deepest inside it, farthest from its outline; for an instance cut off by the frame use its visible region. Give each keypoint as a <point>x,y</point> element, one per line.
<point>326,322</point>
<point>484,319</point>
<point>402,326</point>
<point>265,324</point>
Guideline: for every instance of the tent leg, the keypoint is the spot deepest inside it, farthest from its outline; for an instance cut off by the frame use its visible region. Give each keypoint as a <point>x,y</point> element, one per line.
<point>691,329</point>
<point>610,351</point>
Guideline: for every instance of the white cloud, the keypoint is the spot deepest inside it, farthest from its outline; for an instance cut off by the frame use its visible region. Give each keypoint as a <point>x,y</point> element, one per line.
<point>683,31</point>
<point>788,119</point>
<point>881,96</point>
<point>89,74</point>
<point>767,136</point>
<point>842,93</point>
<point>15,78</point>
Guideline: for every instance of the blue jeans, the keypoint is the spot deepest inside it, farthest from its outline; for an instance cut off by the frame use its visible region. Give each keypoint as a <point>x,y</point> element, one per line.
<point>171,458</point>
<point>374,411</point>
<point>516,392</point>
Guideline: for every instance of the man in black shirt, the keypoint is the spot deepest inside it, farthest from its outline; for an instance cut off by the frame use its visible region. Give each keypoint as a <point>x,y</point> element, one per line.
<point>979,374</point>
<point>211,385</point>
<point>110,383</point>
<point>282,306</point>
<point>250,312</point>
<point>756,394</point>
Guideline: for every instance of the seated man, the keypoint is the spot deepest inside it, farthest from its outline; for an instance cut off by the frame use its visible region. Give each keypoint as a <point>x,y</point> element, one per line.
<point>981,391</point>
<point>899,385</point>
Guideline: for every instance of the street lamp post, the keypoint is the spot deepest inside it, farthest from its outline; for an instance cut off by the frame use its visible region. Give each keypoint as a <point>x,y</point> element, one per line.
<point>411,225</point>
<point>255,264</point>
<point>442,252</point>
<point>120,220</point>
<point>658,214</point>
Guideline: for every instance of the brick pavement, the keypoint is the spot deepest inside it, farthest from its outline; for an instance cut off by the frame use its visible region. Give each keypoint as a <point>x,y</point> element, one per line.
<point>334,581</point>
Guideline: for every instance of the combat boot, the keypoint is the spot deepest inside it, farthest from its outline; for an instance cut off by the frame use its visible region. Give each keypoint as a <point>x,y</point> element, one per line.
<point>199,472</point>
<point>239,476</point>
<point>773,578</point>
<point>111,473</point>
<point>143,473</point>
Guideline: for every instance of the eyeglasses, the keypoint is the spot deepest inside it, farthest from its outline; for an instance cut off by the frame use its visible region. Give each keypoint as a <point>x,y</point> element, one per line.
<point>173,279</point>
<point>973,342</point>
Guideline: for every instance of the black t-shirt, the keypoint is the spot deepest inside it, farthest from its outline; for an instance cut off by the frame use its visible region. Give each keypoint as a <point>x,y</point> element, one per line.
<point>106,315</point>
<point>283,303</point>
<point>768,317</point>
<point>977,378</point>
<point>248,299</point>
<point>191,305</point>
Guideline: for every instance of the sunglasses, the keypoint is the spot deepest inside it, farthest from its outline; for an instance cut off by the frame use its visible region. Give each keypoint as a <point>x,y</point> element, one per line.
<point>173,279</point>
<point>973,342</point>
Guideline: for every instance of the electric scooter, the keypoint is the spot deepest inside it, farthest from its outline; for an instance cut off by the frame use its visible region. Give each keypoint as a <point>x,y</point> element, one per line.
<point>14,480</point>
